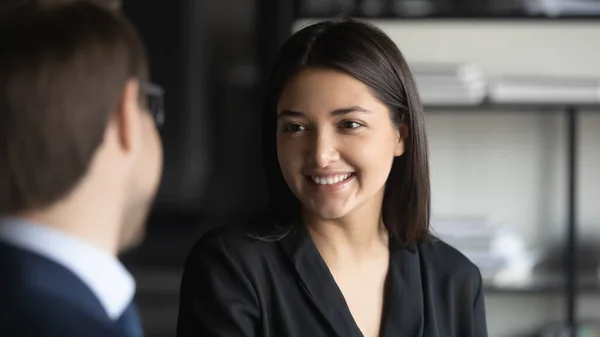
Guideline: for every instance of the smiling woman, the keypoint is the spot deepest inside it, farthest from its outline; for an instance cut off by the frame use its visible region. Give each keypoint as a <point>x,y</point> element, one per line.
<point>337,147</point>
<point>345,151</point>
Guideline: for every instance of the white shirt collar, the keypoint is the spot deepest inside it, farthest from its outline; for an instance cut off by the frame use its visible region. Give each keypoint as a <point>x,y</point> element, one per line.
<point>104,274</point>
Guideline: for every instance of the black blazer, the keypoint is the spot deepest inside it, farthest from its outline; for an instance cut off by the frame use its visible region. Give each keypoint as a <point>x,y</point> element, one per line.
<point>40,298</point>
<point>236,285</point>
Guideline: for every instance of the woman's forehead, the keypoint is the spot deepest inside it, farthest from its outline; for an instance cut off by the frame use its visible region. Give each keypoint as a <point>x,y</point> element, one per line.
<point>324,90</point>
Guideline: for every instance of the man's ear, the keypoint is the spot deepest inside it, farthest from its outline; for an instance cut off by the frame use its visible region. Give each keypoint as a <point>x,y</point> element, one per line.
<point>401,140</point>
<point>128,117</point>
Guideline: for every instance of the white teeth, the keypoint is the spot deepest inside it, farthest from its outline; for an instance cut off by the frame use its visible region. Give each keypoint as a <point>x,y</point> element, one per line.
<point>331,179</point>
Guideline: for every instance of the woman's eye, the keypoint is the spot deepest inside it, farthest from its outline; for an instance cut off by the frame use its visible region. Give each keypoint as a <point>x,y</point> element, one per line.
<point>350,125</point>
<point>293,128</point>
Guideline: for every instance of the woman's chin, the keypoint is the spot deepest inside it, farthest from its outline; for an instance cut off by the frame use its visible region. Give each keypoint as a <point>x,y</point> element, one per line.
<point>329,213</point>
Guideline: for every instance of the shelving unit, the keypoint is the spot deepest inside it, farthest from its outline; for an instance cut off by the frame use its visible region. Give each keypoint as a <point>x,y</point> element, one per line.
<point>571,285</point>
<point>274,26</point>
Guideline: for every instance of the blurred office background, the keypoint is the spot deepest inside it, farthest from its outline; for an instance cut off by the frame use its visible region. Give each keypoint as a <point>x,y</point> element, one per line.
<point>512,95</point>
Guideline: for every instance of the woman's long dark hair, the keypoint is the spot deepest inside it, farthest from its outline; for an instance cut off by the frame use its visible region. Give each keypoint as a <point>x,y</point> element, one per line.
<point>369,55</point>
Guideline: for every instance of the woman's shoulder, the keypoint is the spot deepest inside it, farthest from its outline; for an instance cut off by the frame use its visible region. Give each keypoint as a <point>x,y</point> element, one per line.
<point>237,242</point>
<point>445,262</point>
<point>229,233</point>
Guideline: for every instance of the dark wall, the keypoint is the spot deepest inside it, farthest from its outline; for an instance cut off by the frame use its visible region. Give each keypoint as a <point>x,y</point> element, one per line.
<point>204,54</point>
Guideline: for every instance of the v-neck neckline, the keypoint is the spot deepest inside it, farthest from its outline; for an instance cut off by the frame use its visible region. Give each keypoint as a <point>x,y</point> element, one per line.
<point>402,313</point>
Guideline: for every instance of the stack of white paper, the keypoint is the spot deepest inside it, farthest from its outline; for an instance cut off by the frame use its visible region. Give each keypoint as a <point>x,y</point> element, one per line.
<point>449,84</point>
<point>544,90</point>
<point>500,253</point>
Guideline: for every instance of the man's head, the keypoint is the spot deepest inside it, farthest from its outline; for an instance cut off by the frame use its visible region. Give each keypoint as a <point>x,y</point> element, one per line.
<point>75,131</point>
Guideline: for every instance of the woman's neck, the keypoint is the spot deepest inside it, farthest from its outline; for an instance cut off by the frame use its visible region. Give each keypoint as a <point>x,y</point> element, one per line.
<point>349,241</point>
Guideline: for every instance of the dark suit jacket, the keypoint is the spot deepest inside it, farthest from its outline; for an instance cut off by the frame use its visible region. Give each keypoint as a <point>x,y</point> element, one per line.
<point>236,285</point>
<point>41,298</point>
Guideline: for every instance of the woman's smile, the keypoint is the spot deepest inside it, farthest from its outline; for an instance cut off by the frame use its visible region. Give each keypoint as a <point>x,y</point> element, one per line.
<point>330,183</point>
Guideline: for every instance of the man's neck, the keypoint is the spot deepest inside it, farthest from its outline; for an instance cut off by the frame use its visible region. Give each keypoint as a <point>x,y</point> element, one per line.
<point>82,220</point>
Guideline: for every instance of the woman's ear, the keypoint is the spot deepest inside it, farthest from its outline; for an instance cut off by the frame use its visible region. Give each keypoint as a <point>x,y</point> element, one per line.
<point>401,139</point>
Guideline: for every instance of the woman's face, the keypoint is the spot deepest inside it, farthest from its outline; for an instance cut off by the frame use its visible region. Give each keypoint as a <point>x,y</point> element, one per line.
<point>335,142</point>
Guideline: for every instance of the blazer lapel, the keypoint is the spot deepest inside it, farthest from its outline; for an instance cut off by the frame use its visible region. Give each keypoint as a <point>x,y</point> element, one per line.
<point>318,283</point>
<point>403,312</point>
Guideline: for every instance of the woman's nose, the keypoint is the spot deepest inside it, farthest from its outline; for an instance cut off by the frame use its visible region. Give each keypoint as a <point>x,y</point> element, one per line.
<point>323,150</point>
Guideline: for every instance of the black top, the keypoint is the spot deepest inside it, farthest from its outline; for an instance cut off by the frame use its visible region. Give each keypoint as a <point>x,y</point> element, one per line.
<point>40,298</point>
<point>236,285</point>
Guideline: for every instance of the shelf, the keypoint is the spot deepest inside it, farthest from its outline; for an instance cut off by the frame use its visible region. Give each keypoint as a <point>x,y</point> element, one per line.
<point>513,106</point>
<point>588,284</point>
<point>453,17</point>
<point>456,17</point>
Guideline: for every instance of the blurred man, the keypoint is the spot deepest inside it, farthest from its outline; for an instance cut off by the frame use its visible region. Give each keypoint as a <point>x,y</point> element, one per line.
<point>80,162</point>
